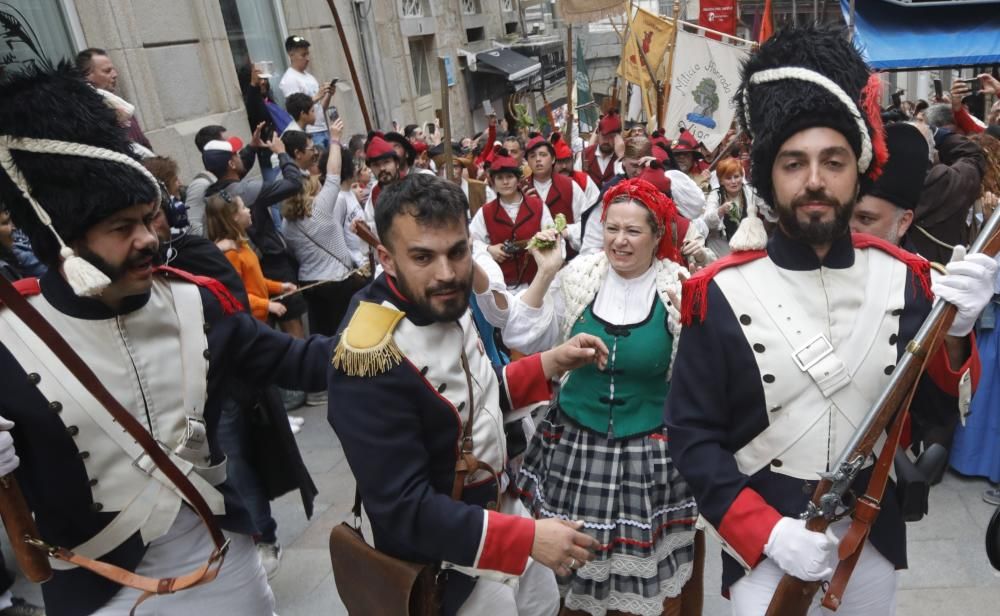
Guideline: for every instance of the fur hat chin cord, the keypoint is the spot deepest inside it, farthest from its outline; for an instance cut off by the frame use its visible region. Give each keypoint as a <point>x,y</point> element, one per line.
<point>84,278</point>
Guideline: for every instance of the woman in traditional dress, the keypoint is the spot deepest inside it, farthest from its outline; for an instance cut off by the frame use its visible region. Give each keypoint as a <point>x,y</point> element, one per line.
<point>601,453</point>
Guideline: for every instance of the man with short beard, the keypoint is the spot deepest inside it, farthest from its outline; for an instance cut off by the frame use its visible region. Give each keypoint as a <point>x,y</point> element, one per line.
<point>167,345</point>
<point>790,340</point>
<point>385,164</point>
<point>599,159</point>
<point>409,371</point>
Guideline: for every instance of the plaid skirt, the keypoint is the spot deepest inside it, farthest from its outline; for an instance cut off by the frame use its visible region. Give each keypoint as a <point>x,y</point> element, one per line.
<point>631,499</point>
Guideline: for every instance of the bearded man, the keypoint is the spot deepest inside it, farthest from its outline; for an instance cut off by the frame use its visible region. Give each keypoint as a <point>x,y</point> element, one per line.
<point>789,341</point>
<point>414,388</point>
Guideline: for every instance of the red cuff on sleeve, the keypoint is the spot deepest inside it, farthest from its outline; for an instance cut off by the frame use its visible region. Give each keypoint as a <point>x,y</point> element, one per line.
<point>508,542</point>
<point>526,382</point>
<point>747,525</point>
<point>939,368</point>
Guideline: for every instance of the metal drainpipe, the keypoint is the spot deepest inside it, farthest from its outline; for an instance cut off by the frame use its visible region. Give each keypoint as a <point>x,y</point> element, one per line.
<point>356,11</point>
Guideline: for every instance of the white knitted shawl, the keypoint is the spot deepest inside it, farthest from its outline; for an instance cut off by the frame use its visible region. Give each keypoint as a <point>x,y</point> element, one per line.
<point>583,277</point>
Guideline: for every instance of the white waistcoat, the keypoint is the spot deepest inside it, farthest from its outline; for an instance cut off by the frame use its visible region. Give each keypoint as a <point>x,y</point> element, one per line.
<point>156,369</point>
<point>438,348</point>
<point>825,345</point>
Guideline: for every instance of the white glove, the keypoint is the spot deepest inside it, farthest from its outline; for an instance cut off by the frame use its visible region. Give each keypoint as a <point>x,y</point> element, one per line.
<point>802,553</point>
<point>8,457</point>
<point>968,286</point>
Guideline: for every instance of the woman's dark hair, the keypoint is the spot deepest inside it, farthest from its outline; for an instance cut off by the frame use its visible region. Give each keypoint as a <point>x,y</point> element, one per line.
<point>434,202</point>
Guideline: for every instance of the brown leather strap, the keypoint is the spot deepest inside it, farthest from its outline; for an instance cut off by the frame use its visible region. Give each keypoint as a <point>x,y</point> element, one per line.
<point>58,345</point>
<point>866,509</point>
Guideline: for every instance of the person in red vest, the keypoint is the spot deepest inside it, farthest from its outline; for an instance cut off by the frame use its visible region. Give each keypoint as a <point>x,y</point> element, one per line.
<point>510,218</point>
<point>599,159</point>
<point>690,160</point>
<point>591,193</point>
<point>560,193</point>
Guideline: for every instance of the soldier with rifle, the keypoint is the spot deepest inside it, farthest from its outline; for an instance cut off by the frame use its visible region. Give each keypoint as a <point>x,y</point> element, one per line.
<point>790,341</point>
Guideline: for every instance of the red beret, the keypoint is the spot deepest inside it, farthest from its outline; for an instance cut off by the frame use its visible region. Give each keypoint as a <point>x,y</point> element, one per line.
<point>562,150</point>
<point>536,142</point>
<point>609,124</point>
<point>503,163</point>
<point>377,148</point>
<point>657,178</point>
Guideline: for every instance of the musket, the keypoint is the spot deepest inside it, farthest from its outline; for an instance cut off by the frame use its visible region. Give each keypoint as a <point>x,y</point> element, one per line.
<point>794,596</point>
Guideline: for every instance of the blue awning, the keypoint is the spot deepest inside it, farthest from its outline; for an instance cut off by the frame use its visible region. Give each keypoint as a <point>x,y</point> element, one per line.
<point>898,37</point>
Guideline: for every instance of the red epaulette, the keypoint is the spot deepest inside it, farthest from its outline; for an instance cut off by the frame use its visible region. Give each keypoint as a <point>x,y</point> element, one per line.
<point>918,266</point>
<point>27,287</point>
<point>694,293</point>
<point>230,305</point>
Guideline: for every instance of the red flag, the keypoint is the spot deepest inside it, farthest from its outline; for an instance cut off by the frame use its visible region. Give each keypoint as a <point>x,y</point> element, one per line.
<point>719,15</point>
<point>767,24</point>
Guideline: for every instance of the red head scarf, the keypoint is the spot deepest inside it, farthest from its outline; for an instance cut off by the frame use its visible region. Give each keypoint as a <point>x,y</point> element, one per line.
<point>649,196</point>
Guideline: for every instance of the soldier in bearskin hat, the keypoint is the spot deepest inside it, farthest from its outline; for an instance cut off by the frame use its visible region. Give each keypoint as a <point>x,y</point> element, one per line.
<point>167,345</point>
<point>798,334</point>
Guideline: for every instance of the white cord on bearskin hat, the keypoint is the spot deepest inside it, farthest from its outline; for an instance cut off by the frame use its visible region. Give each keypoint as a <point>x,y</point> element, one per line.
<point>751,234</point>
<point>85,279</point>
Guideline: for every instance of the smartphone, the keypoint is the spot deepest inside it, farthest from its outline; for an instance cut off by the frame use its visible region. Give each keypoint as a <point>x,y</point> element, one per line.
<point>938,90</point>
<point>332,114</point>
<point>431,127</point>
<point>488,108</point>
<point>267,133</point>
<point>974,85</point>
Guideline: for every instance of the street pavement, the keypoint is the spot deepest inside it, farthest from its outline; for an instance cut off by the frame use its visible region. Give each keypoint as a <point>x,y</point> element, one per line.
<point>949,573</point>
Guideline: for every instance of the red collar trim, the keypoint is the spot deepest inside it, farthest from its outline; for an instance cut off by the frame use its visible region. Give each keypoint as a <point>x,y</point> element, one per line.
<point>392,287</point>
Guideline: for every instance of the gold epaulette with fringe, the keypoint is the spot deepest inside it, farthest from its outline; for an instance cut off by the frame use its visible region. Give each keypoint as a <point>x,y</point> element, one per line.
<point>366,347</point>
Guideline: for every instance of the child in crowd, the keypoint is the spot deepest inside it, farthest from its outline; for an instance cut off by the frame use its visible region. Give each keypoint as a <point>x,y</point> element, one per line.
<point>302,109</point>
<point>512,218</point>
<point>226,222</point>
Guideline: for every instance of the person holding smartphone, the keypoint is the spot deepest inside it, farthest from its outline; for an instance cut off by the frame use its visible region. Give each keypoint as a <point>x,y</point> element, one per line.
<point>298,79</point>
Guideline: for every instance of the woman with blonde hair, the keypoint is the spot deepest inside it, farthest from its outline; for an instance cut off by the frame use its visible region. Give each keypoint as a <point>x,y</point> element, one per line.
<point>227,219</point>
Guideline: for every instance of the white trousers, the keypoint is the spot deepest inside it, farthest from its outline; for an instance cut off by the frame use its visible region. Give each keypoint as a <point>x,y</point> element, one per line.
<point>871,591</point>
<point>535,593</point>
<point>241,587</point>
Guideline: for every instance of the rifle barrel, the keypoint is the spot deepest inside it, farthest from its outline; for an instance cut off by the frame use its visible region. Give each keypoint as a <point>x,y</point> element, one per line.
<point>930,324</point>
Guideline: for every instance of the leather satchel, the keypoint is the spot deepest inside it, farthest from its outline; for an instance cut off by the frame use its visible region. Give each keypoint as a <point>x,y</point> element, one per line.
<point>372,583</point>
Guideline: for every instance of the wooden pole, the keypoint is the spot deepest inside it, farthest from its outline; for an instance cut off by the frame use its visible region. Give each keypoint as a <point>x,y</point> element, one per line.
<point>570,84</point>
<point>350,65</point>
<point>446,121</point>
<point>670,68</point>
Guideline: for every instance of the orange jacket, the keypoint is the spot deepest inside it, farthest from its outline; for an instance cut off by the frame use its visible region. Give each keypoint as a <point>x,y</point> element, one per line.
<point>259,289</point>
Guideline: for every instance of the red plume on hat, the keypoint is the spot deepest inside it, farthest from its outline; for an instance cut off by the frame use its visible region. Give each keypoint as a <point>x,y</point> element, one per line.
<point>655,200</point>
<point>378,148</point>
<point>610,123</point>
<point>490,155</point>
<point>562,149</point>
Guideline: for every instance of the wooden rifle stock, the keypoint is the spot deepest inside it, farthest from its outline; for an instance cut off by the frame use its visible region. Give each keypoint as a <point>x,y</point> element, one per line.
<point>793,596</point>
<point>34,563</point>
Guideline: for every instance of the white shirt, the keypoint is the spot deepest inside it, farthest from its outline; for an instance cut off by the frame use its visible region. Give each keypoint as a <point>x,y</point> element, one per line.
<point>293,125</point>
<point>619,301</point>
<point>602,161</point>
<point>293,81</point>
